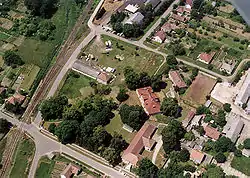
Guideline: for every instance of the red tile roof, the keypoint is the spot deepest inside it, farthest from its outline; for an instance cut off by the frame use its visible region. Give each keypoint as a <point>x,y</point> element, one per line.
<point>189,2</point>
<point>16,98</point>
<point>182,9</point>
<point>161,34</point>
<point>189,117</point>
<point>179,18</point>
<point>149,100</point>
<point>167,27</point>
<point>142,139</point>
<point>70,170</point>
<point>211,132</point>
<point>177,79</point>
<point>196,156</point>
<point>207,57</point>
<point>104,77</point>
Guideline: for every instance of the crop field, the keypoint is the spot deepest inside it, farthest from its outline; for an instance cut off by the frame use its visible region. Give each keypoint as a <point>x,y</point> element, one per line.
<point>199,89</point>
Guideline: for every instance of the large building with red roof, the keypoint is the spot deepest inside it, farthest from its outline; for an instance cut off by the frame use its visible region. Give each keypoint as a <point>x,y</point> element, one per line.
<point>211,132</point>
<point>176,78</point>
<point>142,141</point>
<point>149,100</point>
<point>196,156</point>
<point>205,57</point>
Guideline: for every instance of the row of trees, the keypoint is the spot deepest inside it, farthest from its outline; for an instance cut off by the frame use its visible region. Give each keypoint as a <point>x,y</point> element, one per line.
<point>12,59</point>
<point>6,6</point>
<point>83,123</point>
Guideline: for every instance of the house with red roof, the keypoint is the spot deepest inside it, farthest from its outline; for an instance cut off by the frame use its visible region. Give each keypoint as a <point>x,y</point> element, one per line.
<point>205,57</point>
<point>16,99</point>
<point>176,78</point>
<point>189,2</point>
<point>159,36</point>
<point>70,171</point>
<point>169,27</point>
<point>188,119</point>
<point>142,141</point>
<point>104,78</point>
<point>149,100</point>
<point>211,132</point>
<point>179,18</point>
<point>197,156</point>
<point>183,10</point>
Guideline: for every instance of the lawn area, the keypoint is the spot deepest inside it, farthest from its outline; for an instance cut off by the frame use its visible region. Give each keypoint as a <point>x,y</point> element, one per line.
<point>241,164</point>
<point>23,158</point>
<point>30,72</point>
<point>115,125</point>
<point>138,59</point>
<point>4,36</point>
<point>2,147</point>
<point>75,85</point>
<point>45,167</point>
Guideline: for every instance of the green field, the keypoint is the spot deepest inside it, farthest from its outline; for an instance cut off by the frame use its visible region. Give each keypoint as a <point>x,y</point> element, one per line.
<point>30,72</point>
<point>75,84</point>
<point>241,164</point>
<point>4,36</point>
<point>45,167</point>
<point>23,158</point>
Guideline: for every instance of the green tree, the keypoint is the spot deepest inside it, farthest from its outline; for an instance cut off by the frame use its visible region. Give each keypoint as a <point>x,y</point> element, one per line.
<point>131,30</point>
<point>220,157</point>
<point>170,107</point>
<point>246,143</point>
<point>4,126</point>
<point>202,110</point>
<point>184,155</point>
<point>146,169</point>
<point>122,95</point>
<point>189,136</point>
<point>52,128</point>
<point>52,108</point>
<point>101,138</point>
<point>12,59</point>
<point>213,171</point>
<point>111,155</point>
<point>118,143</point>
<point>224,144</point>
<point>67,131</point>
<point>171,136</point>
<point>221,118</point>
<point>172,61</point>
<point>227,107</point>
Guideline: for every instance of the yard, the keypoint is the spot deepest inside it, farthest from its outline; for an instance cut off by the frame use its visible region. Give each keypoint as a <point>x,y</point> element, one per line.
<point>45,167</point>
<point>199,89</point>
<point>241,164</point>
<point>23,158</point>
<point>115,125</point>
<point>76,85</point>
<point>128,54</point>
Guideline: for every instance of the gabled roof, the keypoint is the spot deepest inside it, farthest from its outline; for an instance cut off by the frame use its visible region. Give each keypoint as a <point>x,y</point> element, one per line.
<point>142,139</point>
<point>154,3</point>
<point>104,77</point>
<point>167,27</point>
<point>131,8</point>
<point>189,2</point>
<point>187,120</point>
<point>16,99</point>
<point>136,18</point>
<point>149,100</point>
<point>70,170</point>
<point>182,9</point>
<point>177,79</point>
<point>161,34</point>
<point>212,132</point>
<point>197,156</point>
<point>179,18</point>
<point>206,57</point>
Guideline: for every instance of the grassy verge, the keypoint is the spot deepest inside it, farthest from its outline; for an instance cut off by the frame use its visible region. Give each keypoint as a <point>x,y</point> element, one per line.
<point>45,167</point>
<point>23,158</point>
<point>241,164</point>
<point>2,147</point>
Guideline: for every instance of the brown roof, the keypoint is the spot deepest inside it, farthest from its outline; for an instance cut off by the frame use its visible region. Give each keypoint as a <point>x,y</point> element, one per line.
<point>142,139</point>
<point>16,98</point>
<point>189,2</point>
<point>149,100</point>
<point>196,156</point>
<point>212,132</point>
<point>161,34</point>
<point>104,77</point>
<point>189,117</point>
<point>177,79</point>
<point>70,170</point>
<point>179,18</point>
<point>207,57</point>
<point>167,27</point>
<point>182,9</point>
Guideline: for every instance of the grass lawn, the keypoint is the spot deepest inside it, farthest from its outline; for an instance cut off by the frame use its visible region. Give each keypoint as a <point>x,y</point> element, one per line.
<point>45,167</point>
<point>138,59</point>
<point>2,147</point>
<point>75,84</point>
<point>115,125</point>
<point>241,164</point>
<point>30,72</point>
<point>4,36</point>
<point>23,158</point>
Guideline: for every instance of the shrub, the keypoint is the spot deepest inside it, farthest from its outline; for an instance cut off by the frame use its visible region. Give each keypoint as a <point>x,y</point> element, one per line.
<point>238,153</point>
<point>220,157</point>
<point>246,143</point>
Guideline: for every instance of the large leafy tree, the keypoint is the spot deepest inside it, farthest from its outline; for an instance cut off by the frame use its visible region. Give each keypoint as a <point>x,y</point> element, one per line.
<point>221,118</point>
<point>246,143</point>
<point>111,155</point>
<point>52,108</point>
<point>169,106</point>
<point>12,59</point>
<point>67,131</point>
<point>171,136</point>
<point>134,116</point>
<point>101,138</point>
<point>4,126</point>
<point>224,144</point>
<point>146,169</point>
<point>118,143</point>
<point>213,171</point>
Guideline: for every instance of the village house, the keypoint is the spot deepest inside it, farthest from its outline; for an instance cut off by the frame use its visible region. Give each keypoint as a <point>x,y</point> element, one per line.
<point>233,127</point>
<point>154,3</point>
<point>169,27</point>
<point>188,119</point>
<point>211,132</point>
<point>197,156</point>
<point>228,68</point>
<point>149,100</point>
<point>70,170</point>
<point>142,141</point>
<point>135,18</point>
<point>179,18</point>
<point>132,8</point>
<point>205,57</point>
<point>159,37</point>
<point>183,10</point>
<point>16,99</point>
<point>177,80</point>
<point>196,121</point>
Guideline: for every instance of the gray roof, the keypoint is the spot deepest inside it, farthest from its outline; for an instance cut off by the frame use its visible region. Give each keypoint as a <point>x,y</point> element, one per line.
<point>227,68</point>
<point>135,18</point>
<point>85,69</point>
<point>244,91</point>
<point>233,127</point>
<point>154,3</point>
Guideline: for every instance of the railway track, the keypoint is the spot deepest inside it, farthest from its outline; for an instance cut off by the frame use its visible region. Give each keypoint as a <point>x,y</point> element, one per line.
<point>61,60</point>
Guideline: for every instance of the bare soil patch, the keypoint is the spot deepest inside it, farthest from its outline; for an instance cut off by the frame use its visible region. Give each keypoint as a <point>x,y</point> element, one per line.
<point>227,9</point>
<point>6,23</point>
